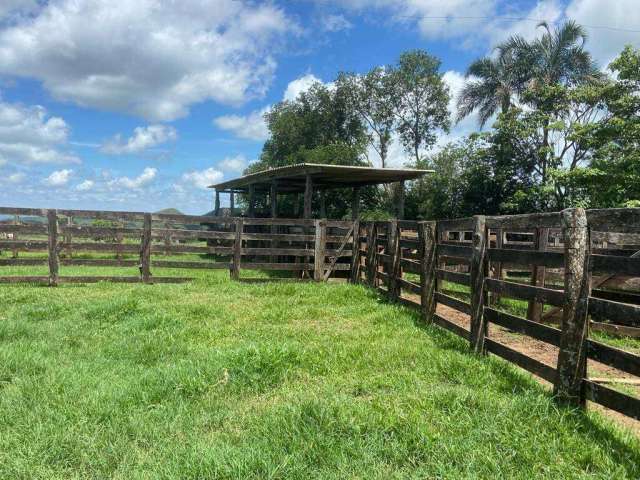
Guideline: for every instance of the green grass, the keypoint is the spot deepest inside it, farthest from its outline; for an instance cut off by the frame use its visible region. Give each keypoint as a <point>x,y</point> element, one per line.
<point>217,379</point>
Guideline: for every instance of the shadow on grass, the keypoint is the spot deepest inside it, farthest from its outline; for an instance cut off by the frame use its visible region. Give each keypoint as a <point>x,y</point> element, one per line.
<point>517,382</point>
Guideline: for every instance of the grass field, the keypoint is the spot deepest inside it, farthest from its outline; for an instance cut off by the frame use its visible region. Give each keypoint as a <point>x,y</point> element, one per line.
<point>216,379</point>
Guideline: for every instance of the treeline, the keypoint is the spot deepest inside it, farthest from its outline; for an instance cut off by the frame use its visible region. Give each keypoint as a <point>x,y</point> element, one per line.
<point>561,132</point>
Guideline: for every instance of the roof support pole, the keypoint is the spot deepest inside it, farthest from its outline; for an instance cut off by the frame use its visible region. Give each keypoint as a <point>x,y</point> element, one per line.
<point>217,204</point>
<point>232,201</point>
<point>401,200</point>
<point>273,197</point>
<point>323,204</point>
<point>308,195</point>
<point>355,203</point>
<point>252,201</point>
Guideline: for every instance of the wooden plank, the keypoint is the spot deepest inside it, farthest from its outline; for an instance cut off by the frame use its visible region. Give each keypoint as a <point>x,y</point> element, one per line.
<point>103,214</point>
<point>621,220</point>
<point>25,245</point>
<point>393,249</point>
<point>372,258</point>
<point>85,231</point>
<point>615,330</point>
<point>616,312</point>
<point>52,227</point>
<point>25,212</point>
<point>101,247</point>
<point>301,222</point>
<point>527,257</point>
<point>190,234</point>
<point>356,263</point>
<point>23,262</point>
<point>335,255</point>
<point>478,272</point>
<point>24,229</point>
<point>535,330</point>
<point>40,279</point>
<point>607,397</point>
<point>616,296</point>
<point>237,250</point>
<point>455,277</point>
<point>409,224</point>
<point>525,292</point>
<point>292,252</point>
<point>540,240</point>
<point>455,225</point>
<point>192,219</point>
<point>190,265</point>
<point>614,357</point>
<point>452,327</point>
<point>407,243</point>
<point>615,264</point>
<point>427,235</point>
<point>214,250</point>
<point>453,302</point>
<point>409,286</point>
<point>277,266</point>
<point>280,236</point>
<point>523,361</point>
<point>411,266</point>
<point>525,222</point>
<point>319,252</point>
<point>572,359</point>
<point>454,251</point>
<point>145,249</point>
<point>107,262</point>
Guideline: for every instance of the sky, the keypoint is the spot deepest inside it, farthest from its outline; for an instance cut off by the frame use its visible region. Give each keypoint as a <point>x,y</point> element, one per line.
<point>140,105</point>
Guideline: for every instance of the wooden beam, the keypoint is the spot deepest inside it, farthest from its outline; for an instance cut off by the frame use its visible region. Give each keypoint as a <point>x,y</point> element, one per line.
<point>308,196</point>
<point>541,238</point>
<point>52,221</point>
<point>478,272</point>
<point>355,204</point>
<point>572,358</point>
<point>428,241</point>
<point>319,250</point>
<point>145,250</point>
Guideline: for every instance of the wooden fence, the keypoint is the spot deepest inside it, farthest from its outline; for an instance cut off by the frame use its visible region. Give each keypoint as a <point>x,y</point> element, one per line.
<point>143,241</point>
<point>411,262</point>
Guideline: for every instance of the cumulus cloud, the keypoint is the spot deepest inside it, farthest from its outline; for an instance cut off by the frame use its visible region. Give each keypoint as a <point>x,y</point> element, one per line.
<point>146,177</point>
<point>59,178</point>
<point>249,127</point>
<point>334,23</point>
<point>145,60</point>
<point>253,126</point>
<point>17,177</point>
<point>203,178</point>
<point>233,164</point>
<point>29,135</point>
<point>142,139</point>
<point>85,185</point>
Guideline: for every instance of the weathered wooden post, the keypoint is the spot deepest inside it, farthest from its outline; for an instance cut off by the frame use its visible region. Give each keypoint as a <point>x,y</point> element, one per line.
<point>427,237</point>
<point>355,253</point>
<point>145,249</point>
<point>372,254</point>
<point>52,224</point>
<point>477,275</point>
<point>572,362</point>
<point>237,249</point>
<point>16,221</point>
<point>319,250</point>
<point>540,241</point>
<point>68,238</point>
<point>393,260</point>
<point>497,266</point>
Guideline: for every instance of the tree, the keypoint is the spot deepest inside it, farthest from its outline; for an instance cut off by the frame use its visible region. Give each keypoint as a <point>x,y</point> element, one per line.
<point>492,83</point>
<point>420,100</point>
<point>371,95</point>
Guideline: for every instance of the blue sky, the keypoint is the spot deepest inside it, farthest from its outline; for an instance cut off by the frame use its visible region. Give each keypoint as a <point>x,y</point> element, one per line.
<point>114,104</point>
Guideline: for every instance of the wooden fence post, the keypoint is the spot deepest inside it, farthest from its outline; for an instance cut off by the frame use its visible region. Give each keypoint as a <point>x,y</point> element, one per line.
<point>477,274</point>
<point>355,253</point>
<point>572,363</point>
<point>428,241</point>
<point>145,249</point>
<point>319,250</point>
<point>237,250</point>
<point>16,221</point>
<point>68,238</point>
<point>393,259</point>
<point>496,267</point>
<point>372,257</point>
<point>52,223</point>
<point>541,238</point>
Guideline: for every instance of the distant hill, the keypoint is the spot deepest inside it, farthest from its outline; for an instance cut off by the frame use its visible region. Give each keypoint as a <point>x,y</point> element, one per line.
<point>170,211</point>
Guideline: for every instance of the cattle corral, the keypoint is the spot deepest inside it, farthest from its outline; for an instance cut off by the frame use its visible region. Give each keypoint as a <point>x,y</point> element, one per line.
<point>567,258</point>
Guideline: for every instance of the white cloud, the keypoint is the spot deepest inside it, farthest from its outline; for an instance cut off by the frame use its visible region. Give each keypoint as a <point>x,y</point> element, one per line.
<point>29,135</point>
<point>250,127</point>
<point>85,186</point>
<point>334,23</point>
<point>299,85</point>
<point>59,178</point>
<point>145,178</point>
<point>18,177</point>
<point>149,59</point>
<point>253,126</point>
<point>606,44</point>
<point>143,138</point>
<point>202,179</point>
<point>233,164</point>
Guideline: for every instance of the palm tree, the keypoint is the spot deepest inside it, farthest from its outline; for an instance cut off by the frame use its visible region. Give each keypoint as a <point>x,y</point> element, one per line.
<point>492,83</point>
